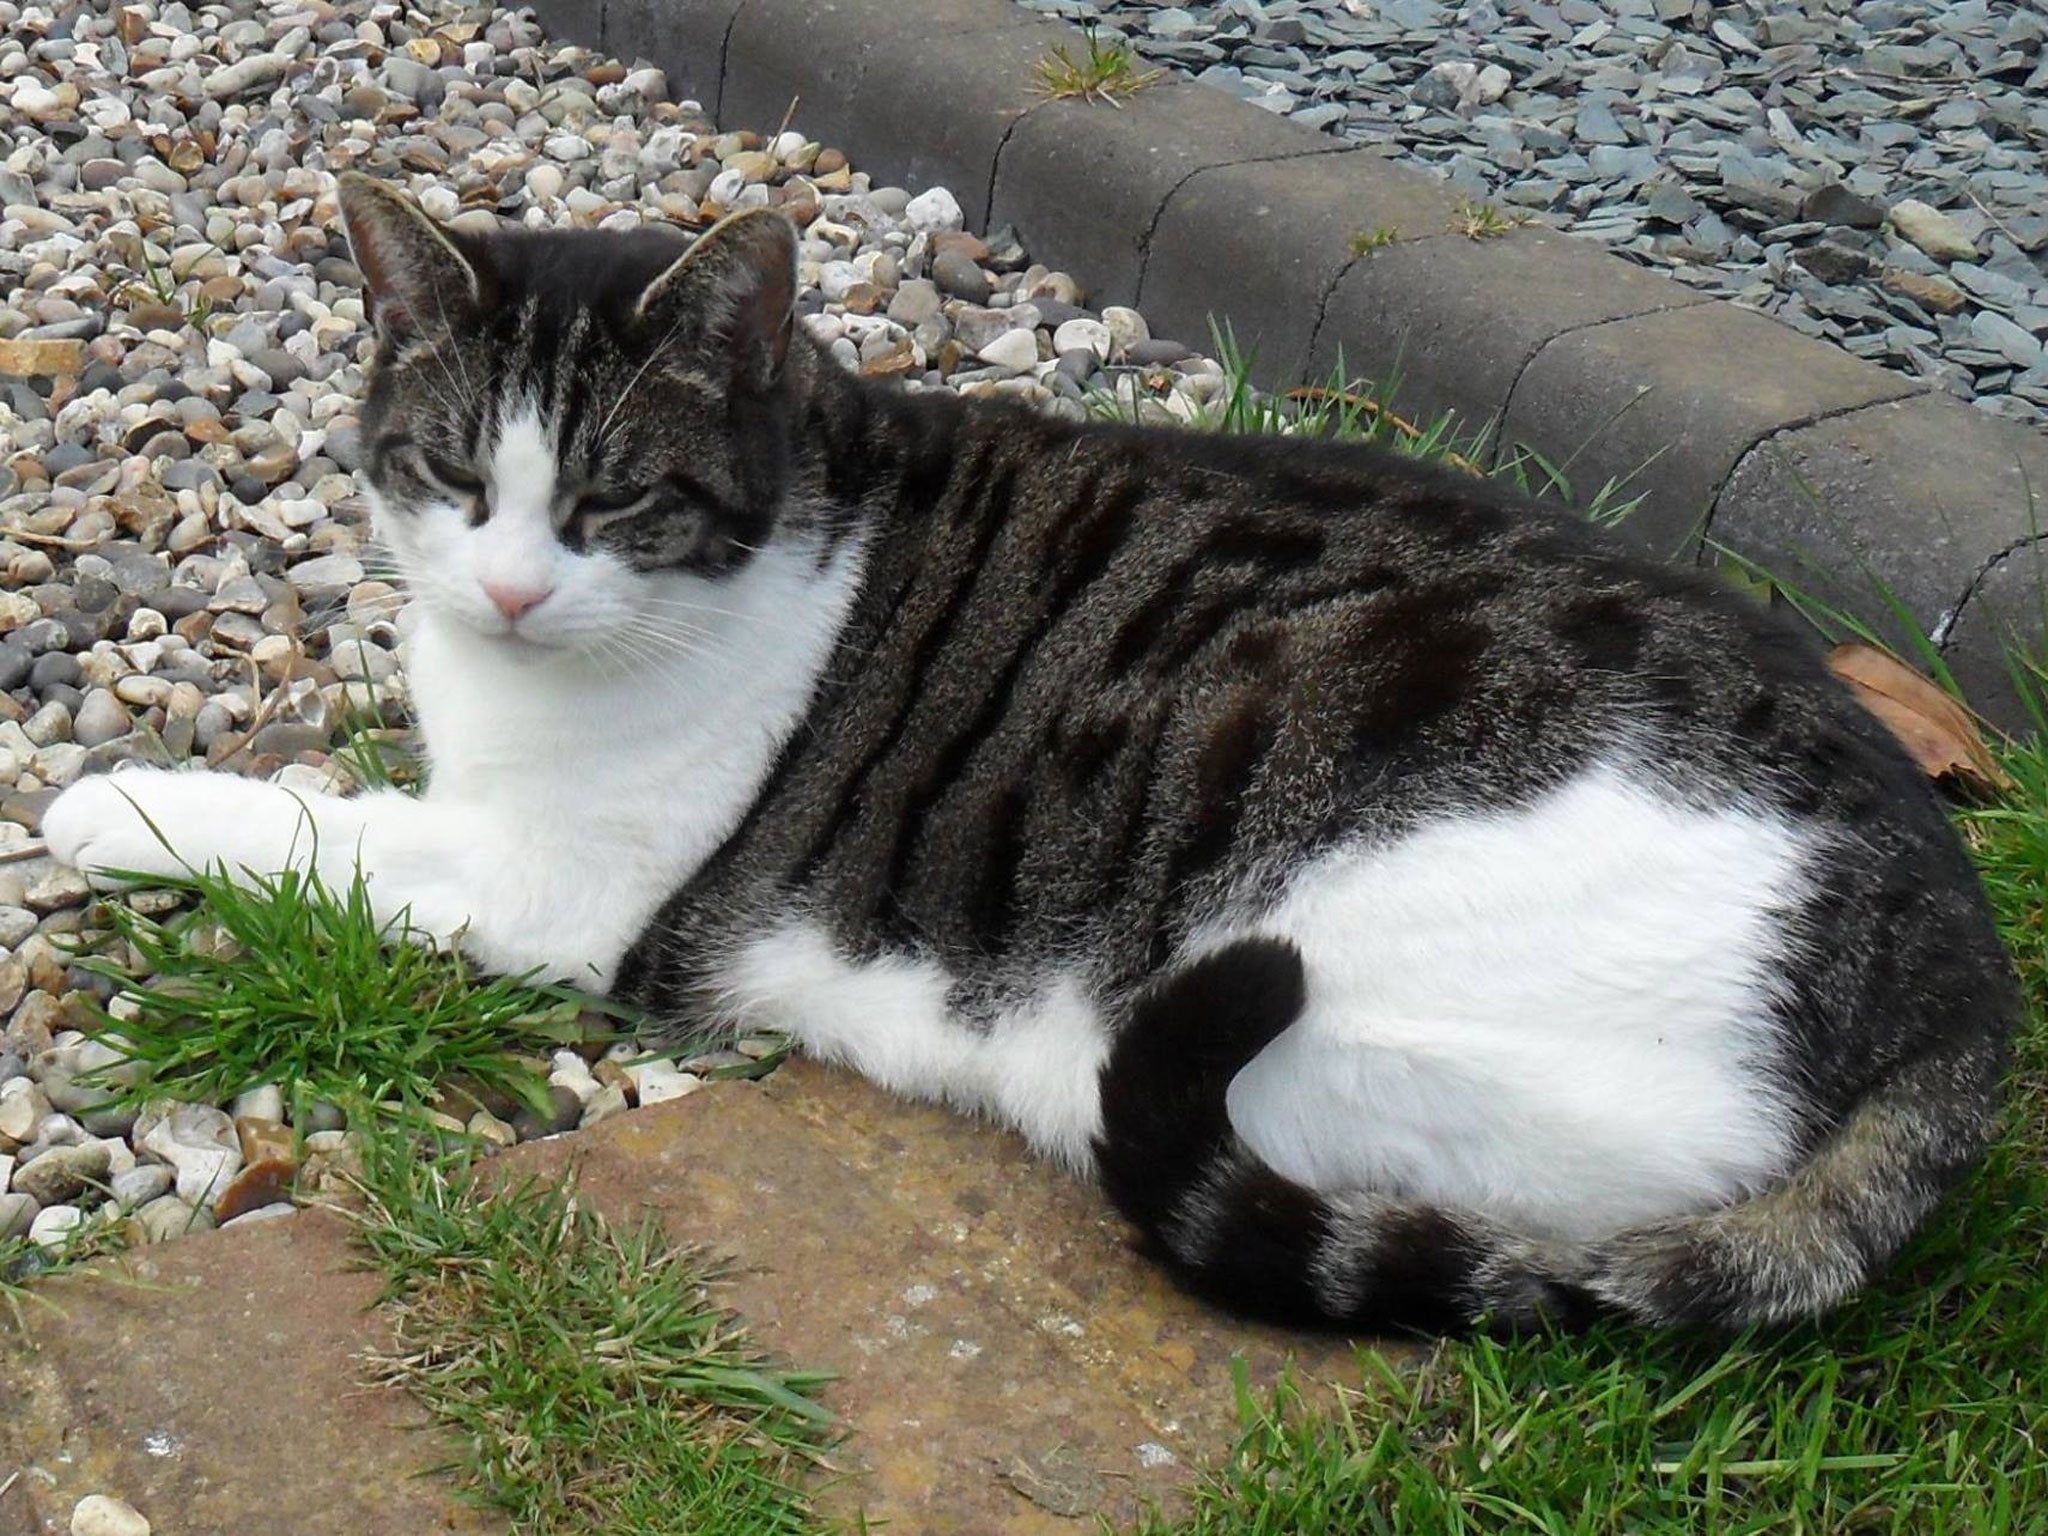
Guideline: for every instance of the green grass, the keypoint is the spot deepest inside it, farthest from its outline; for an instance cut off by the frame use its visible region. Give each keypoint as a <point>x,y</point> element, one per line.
<point>23,1263</point>
<point>591,1385</point>
<point>291,983</point>
<point>1106,72</point>
<point>1484,221</point>
<point>1343,407</point>
<point>1379,237</point>
<point>587,1381</point>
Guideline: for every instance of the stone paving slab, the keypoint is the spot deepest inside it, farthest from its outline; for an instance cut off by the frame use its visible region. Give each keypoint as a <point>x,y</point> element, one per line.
<point>940,90</point>
<point>215,1388</point>
<point>1008,1367</point>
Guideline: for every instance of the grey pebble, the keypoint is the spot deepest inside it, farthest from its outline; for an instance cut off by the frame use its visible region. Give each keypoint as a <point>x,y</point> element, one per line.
<point>955,274</point>
<point>63,1175</point>
<point>101,718</point>
<point>17,662</point>
<point>17,1212</point>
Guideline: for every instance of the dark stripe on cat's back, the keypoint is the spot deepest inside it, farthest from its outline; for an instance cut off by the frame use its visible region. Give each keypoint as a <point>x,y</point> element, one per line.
<point>948,595</point>
<point>951,816</point>
<point>1168,617</point>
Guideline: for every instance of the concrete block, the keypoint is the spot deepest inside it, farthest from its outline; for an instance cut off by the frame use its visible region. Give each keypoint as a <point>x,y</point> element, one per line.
<point>1999,628</point>
<point>935,105</point>
<point>1453,321</point>
<point>1083,183</point>
<point>570,21</point>
<point>685,38</point>
<point>1666,404</point>
<point>1261,246</point>
<point>810,52</point>
<point>1924,499</point>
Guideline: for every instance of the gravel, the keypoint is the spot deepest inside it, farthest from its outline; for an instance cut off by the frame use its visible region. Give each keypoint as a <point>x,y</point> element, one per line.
<point>187,571</point>
<point>1874,172</point>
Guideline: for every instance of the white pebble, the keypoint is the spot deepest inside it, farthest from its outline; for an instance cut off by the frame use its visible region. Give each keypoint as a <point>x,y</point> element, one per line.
<point>569,1071</point>
<point>656,1082</point>
<point>265,1102</point>
<point>1126,327</point>
<point>930,212</point>
<point>1082,335</point>
<point>54,1225</point>
<point>99,1515</point>
<point>440,203</point>
<point>200,1143</point>
<point>1015,350</point>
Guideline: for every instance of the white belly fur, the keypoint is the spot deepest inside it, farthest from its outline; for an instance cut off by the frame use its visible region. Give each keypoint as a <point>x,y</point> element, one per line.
<point>1556,1015</point>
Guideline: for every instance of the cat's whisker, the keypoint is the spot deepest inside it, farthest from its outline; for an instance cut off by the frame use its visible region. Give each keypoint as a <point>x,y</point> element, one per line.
<point>604,430</point>
<point>668,625</point>
<point>723,613</point>
<point>655,647</point>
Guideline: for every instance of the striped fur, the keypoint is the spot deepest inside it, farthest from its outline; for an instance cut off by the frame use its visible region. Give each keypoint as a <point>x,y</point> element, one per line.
<point>1417,908</point>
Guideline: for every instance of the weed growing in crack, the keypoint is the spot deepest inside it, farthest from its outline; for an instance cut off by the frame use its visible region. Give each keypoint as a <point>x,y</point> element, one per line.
<point>1379,237</point>
<point>1484,221</point>
<point>1107,72</point>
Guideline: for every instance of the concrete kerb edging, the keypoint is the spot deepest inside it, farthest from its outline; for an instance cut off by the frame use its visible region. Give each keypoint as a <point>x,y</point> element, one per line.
<point>1736,430</point>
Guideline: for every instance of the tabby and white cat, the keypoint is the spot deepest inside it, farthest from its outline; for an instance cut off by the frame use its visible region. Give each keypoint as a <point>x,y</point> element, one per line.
<point>1416,909</point>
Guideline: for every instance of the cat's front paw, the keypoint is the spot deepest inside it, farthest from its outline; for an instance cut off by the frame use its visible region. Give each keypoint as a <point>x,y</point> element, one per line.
<point>147,821</point>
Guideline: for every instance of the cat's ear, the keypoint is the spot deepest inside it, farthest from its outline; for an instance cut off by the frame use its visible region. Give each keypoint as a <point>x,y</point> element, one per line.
<point>419,283</point>
<point>732,295</point>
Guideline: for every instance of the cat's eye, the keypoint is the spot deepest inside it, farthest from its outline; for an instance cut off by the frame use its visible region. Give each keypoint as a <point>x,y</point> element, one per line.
<point>451,478</point>
<point>598,510</point>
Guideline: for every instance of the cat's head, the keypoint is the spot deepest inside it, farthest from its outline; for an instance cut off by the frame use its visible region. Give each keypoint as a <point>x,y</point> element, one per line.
<point>569,433</point>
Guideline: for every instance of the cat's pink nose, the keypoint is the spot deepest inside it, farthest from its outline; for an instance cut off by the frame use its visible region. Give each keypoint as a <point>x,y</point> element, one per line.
<point>513,601</point>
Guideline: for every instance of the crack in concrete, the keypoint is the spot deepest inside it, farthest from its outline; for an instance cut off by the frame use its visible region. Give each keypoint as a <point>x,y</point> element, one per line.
<point>1950,621</point>
<point>1315,334</point>
<point>1159,213</point>
<point>1690,300</point>
<point>1910,389</point>
<point>725,61</point>
<point>995,164</point>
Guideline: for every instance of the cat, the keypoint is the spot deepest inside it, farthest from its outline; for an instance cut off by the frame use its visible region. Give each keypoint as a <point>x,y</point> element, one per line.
<point>1416,909</point>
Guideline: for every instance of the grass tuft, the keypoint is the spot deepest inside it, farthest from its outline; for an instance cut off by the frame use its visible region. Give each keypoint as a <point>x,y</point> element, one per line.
<point>1345,408</point>
<point>289,982</point>
<point>1107,72</point>
<point>23,1262</point>
<point>1484,221</point>
<point>595,1388</point>
<point>1366,241</point>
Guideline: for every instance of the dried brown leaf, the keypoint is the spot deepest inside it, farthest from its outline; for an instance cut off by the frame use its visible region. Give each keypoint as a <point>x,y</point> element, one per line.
<point>1940,735</point>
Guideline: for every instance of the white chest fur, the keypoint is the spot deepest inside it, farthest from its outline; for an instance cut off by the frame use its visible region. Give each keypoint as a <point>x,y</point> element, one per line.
<point>600,783</point>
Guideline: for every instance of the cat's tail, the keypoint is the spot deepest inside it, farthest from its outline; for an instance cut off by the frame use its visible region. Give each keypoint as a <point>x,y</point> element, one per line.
<point>1247,1238</point>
